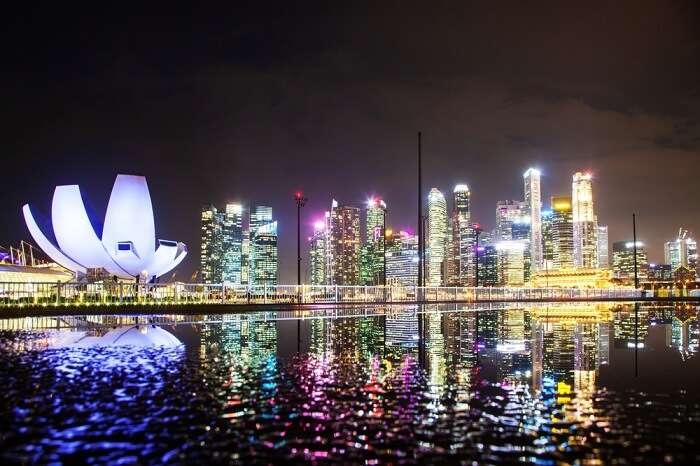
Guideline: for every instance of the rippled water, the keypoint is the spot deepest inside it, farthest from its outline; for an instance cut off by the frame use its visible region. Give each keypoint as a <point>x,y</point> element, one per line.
<point>543,386</point>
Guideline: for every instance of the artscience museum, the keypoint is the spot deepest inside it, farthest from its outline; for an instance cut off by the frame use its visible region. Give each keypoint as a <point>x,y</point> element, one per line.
<point>124,245</point>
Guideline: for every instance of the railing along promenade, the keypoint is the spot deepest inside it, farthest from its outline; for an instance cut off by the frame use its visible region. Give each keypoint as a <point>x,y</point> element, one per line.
<point>17,295</point>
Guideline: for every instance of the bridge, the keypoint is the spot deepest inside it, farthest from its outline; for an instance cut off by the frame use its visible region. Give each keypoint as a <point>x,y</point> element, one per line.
<point>26,299</point>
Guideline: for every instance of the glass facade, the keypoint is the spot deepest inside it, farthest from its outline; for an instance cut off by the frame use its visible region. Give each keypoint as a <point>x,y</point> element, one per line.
<point>562,233</point>
<point>533,204</point>
<point>345,245</point>
<point>211,249</point>
<point>584,222</point>
<point>436,236</point>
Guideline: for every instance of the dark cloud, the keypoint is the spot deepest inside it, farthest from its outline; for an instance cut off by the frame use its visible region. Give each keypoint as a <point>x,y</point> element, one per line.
<point>251,103</point>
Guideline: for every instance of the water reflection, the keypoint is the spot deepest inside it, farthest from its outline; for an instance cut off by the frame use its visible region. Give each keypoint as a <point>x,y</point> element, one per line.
<point>543,384</point>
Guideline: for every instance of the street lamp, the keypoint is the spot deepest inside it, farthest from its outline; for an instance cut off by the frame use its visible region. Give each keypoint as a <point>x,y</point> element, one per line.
<point>300,202</point>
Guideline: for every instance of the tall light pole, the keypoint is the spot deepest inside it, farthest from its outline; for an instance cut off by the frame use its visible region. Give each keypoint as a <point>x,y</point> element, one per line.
<point>420,215</point>
<point>301,202</point>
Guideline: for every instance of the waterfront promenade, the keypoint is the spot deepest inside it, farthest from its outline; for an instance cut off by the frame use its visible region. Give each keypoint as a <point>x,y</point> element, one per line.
<point>19,299</point>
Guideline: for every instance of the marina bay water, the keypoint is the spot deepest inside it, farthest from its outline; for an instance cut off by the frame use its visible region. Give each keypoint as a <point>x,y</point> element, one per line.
<point>583,383</point>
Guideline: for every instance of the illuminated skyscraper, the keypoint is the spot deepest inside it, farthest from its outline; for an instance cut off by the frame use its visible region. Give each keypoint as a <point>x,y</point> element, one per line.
<point>511,262</point>
<point>372,268</point>
<point>345,245</point>
<point>521,233</point>
<point>683,251</point>
<point>317,252</point>
<point>547,240</point>
<point>436,236</point>
<point>533,203</point>
<point>488,266</point>
<point>211,251</point>
<point>263,247</point>
<point>585,229</point>
<point>232,243</point>
<point>623,260</point>
<point>506,213</point>
<point>562,233</point>
<point>402,259</point>
<point>463,239</point>
<point>603,248</point>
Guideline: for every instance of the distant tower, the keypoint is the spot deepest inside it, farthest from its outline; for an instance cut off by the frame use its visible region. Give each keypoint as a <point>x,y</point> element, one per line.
<point>508,212</point>
<point>211,251</point>
<point>263,247</point>
<point>603,247</point>
<point>317,252</point>
<point>463,236</point>
<point>345,245</point>
<point>437,236</point>
<point>585,230</point>
<point>681,251</point>
<point>533,203</point>
<point>562,233</point>
<point>374,236</point>
<point>232,243</point>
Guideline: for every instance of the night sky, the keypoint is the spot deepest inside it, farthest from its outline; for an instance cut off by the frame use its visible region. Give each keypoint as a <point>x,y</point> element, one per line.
<point>251,104</point>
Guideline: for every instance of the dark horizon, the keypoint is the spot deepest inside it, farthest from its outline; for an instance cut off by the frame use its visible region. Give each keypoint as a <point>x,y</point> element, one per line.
<point>251,104</point>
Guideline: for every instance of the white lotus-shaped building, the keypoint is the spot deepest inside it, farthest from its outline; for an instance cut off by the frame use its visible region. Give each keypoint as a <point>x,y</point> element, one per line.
<point>125,246</point>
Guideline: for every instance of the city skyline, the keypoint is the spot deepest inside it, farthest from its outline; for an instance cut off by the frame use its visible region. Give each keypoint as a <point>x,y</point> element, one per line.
<point>329,104</point>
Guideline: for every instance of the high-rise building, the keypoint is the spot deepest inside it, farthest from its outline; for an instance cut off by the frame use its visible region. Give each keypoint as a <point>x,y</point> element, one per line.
<point>318,243</point>
<point>521,232</point>
<point>372,256</point>
<point>506,213</point>
<point>533,203</point>
<point>402,259</point>
<point>263,247</point>
<point>683,251</point>
<point>488,265</point>
<point>511,262</point>
<point>232,244</point>
<point>562,233</point>
<point>211,250</point>
<point>345,245</point>
<point>436,236</point>
<point>463,237</point>
<point>623,260</point>
<point>547,240</point>
<point>603,248</point>
<point>584,221</point>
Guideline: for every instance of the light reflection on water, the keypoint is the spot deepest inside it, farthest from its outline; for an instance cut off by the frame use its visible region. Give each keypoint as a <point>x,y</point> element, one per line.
<point>547,385</point>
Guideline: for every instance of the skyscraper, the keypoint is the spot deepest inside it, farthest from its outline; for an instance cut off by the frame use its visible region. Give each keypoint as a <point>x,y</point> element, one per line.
<point>437,236</point>
<point>373,250</point>
<point>317,252</point>
<point>603,248</point>
<point>585,230</point>
<point>263,247</point>
<point>506,213</point>
<point>623,260</point>
<point>533,202</point>
<point>547,240</point>
<point>562,233</point>
<point>463,238</point>
<point>232,243</point>
<point>511,263</point>
<point>402,259</point>
<point>211,250</point>
<point>345,245</point>
<point>683,251</point>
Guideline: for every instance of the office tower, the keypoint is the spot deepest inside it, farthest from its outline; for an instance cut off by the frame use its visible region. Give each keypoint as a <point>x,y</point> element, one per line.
<point>317,254</point>
<point>245,256</point>
<point>488,265</point>
<point>463,237</point>
<point>402,259</point>
<point>211,251</point>
<point>506,213</point>
<point>547,240</point>
<point>603,249</point>
<point>511,262</point>
<point>345,245</point>
<point>437,236</point>
<point>562,233</point>
<point>262,259</point>
<point>372,268</point>
<point>623,260</point>
<point>683,251</point>
<point>232,244</point>
<point>660,272</point>
<point>521,232</point>
<point>585,231</point>
<point>533,205</point>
